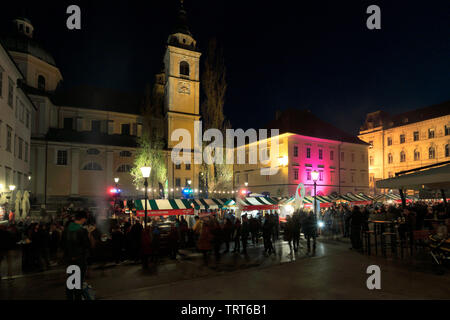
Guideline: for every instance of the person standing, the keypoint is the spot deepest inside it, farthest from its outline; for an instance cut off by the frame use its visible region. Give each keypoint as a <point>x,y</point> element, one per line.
<point>296,231</point>
<point>267,236</point>
<point>227,233</point>
<point>288,231</point>
<point>76,249</point>
<point>6,246</point>
<point>310,231</point>
<point>237,236</point>
<point>356,222</point>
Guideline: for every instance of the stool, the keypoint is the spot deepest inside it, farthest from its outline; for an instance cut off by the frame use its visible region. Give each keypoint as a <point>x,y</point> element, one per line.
<point>392,243</point>
<point>367,235</point>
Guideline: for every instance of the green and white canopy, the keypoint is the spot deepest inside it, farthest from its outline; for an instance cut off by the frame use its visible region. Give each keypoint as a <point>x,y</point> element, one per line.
<point>160,207</point>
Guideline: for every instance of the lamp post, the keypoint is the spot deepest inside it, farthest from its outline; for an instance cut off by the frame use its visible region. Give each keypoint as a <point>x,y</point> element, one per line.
<point>116,195</point>
<point>315,176</point>
<point>11,189</point>
<point>146,174</point>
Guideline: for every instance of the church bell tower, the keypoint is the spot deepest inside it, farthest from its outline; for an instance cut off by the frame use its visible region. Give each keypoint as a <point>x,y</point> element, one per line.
<point>182,85</point>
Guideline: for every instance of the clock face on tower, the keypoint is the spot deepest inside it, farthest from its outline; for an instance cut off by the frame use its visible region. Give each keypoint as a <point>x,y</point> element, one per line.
<point>184,87</point>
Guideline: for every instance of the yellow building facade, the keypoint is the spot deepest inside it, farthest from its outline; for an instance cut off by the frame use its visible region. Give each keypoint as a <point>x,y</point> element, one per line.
<point>406,141</point>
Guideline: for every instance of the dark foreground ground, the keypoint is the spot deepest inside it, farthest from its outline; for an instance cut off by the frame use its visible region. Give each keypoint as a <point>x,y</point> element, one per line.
<point>334,273</point>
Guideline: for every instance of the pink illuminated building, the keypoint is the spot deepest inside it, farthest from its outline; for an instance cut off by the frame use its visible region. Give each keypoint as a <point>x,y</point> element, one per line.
<point>307,143</point>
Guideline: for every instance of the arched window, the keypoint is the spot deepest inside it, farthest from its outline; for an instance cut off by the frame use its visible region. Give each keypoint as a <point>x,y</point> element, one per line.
<point>416,155</point>
<point>184,68</point>
<point>93,151</point>
<point>125,153</point>
<point>447,150</point>
<point>402,156</point>
<point>431,153</point>
<point>390,159</point>
<point>93,166</point>
<point>41,82</point>
<point>371,160</point>
<point>124,168</point>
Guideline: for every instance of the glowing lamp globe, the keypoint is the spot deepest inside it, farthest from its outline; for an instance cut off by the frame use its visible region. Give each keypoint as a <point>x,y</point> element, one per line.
<point>315,175</point>
<point>146,171</point>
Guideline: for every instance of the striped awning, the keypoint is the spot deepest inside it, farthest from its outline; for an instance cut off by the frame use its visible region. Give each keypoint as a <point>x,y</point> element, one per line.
<point>160,207</point>
<point>323,201</point>
<point>257,203</point>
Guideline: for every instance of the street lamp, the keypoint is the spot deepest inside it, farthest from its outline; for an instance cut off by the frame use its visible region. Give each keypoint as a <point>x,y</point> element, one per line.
<point>315,176</point>
<point>146,174</point>
<point>116,195</point>
<point>246,184</point>
<point>116,180</point>
<point>12,187</point>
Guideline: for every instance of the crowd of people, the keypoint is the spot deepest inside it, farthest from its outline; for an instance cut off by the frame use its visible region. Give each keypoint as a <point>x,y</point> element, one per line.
<point>52,242</point>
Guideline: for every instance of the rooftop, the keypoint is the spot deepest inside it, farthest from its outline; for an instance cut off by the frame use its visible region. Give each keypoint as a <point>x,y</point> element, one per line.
<point>95,98</point>
<point>304,122</point>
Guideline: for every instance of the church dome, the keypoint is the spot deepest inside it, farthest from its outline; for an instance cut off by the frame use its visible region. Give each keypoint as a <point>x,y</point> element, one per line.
<point>21,40</point>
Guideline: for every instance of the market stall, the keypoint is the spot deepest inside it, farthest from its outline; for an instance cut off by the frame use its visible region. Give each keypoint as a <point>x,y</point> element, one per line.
<point>164,207</point>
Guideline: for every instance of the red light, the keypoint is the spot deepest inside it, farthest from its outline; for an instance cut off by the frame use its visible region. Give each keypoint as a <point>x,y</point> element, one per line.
<point>243,191</point>
<point>113,190</point>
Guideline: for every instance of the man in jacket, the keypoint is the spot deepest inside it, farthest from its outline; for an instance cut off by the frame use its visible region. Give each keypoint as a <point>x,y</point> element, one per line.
<point>245,230</point>
<point>356,222</point>
<point>77,245</point>
<point>7,244</point>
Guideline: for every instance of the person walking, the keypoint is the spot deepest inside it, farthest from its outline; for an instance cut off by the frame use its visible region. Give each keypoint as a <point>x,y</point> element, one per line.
<point>288,231</point>
<point>296,230</point>
<point>237,236</point>
<point>146,246</point>
<point>310,231</point>
<point>173,242</point>
<point>204,241</point>
<point>267,237</point>
<point>76,249</point>
<point>245,231</point>
<point>217,238</point>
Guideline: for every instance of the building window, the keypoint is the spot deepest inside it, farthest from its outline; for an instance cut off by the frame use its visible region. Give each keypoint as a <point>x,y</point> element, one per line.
<point>320,175</point>
<point>125,154</point>
<point>10,93</point>
<point>92,166</point>
<point>28,120</point>
<point>389,141</point>
<point>295,174</point>
<point>68,123</point>
<point>402,156</point>
<point>92,151</point>
<point>342,156</point>
<point>331,176</point>
<point>308,153</point>
<point>352,177</point>
<point>308,175</point>
<point>184,68</point>
<point>61,158</point>
<point>402,138</point>
<point>26,152</point>
<point>320,154</point>
<point>188,166</point>
<point>95,126</point>
<point>353,157</point>
<point>8,138</point>
<point>390,158</point>
<point>177,182</point>
<point>295,151</point>
<point>430,133</point>
<point>431,153</point>
<point>416,135</point>
<point>178,166</point>
<point>20,148</point>
<point>416,155</point>
<point>126,129</point>
<point>124,168</point>
<point>41,82</point>
<point>331,155</point>
<point>371,160</point>
<point>447,128</point>
<point>447,150</point>
<point>186,180</point>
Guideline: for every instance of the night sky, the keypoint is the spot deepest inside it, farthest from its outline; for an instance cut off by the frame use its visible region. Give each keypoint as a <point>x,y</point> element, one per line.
<point>315,55</point>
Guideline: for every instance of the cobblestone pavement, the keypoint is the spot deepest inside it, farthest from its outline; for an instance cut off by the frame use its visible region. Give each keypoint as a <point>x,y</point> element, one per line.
<point>335,272</point>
